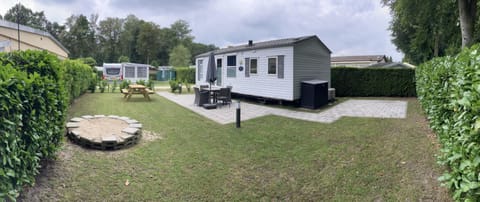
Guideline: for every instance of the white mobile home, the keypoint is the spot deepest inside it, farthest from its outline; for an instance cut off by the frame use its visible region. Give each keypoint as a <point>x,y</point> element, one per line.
<point>269,69</point>
<point>125,71</point>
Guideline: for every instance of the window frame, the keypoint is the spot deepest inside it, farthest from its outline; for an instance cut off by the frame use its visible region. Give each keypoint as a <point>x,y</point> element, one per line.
<point>230,67</point>
<point>276,65</point>
<point>129,70</point>
<point>256,66</point>
<point>219,62</point>
<point>141,70</point>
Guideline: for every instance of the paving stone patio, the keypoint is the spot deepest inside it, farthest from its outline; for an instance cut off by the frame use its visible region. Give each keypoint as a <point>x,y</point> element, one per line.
<point>350,108</point>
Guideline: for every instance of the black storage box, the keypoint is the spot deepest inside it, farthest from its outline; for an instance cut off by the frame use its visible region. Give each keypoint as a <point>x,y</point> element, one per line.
<point>314,94</point>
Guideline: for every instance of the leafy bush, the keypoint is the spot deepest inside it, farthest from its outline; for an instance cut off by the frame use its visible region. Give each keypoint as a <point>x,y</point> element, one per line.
<point>89,61</point>
<point>102,85</point>
<point>93,84</point>
<point>449,91</point>
<point>32,116</point>
<point>349,81</point>
<point>151,85</point>
<point>114,85</point>
<point>187,85</point>
<point>99,74</point>
<point>125,84</point>
<point>78,78</point>
<point>173,85</point>
<point>140,82</point>
<point>185,74</point>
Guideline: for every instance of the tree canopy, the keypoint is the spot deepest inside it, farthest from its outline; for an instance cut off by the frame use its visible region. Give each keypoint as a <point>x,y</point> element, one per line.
<point>110,38</point>
<point>180,56</point>
<point>425,29</point>
<point>26,16</point>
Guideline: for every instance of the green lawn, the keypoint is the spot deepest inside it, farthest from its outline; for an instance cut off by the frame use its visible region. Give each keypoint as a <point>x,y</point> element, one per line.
<point>269,158</point>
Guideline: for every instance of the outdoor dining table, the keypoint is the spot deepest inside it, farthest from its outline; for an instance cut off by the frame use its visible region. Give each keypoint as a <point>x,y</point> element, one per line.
<point>137,89</point>
<point>214,92</point>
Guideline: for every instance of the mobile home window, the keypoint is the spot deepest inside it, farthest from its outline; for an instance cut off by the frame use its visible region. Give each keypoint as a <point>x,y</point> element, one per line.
<point>272,65</point>
<point>219,63</point>
<point>142,72</point>
<point>129,71</point>
<point>253,66</point>
<point>232,66</point>
<point>113,71</point>
<point>232,60</point>
<point>200,69</point>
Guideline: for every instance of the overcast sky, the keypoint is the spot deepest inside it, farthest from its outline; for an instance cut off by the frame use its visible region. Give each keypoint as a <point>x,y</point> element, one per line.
<point>347,27</point>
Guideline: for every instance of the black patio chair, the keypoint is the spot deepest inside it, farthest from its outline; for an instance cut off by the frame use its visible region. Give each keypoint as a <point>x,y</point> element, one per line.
<point>203,87</point>
<point>225,96</point>
<point>201,97</point>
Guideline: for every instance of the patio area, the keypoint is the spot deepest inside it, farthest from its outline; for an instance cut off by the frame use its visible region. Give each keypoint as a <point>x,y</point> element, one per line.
<point>350,108</point>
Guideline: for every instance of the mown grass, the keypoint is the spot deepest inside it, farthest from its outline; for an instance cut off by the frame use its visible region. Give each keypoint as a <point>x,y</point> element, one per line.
<point>269,158</point>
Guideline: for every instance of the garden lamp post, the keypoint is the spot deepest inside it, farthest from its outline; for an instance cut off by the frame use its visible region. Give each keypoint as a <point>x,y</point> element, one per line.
<point>238,114</point>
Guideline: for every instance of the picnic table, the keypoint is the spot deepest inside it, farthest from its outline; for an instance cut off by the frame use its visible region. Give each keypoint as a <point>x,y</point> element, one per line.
<point>137,89</point>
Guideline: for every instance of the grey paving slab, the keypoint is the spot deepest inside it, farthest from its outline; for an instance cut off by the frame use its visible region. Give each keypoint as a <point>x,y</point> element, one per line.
<point>76,119</point>
<point>131,121</point>
<point>135,125</point>
<point>131,131</point>
<point>350,108</point>
<point>87,117</point>
<point>72,125</point>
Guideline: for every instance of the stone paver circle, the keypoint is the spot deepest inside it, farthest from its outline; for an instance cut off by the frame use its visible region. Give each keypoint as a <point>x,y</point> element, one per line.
<point>104,132</point>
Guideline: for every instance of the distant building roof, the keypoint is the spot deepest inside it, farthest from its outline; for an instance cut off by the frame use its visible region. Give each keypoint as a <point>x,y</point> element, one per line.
<point>264,44</point>
<point>11,25</point>
<point>358,58</point>
<point>392,65</point>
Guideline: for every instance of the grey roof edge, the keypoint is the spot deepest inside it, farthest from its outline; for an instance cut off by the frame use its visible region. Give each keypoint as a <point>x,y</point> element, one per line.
<point>348,58</point>
<point>12,25</point>
<point>265,44</point>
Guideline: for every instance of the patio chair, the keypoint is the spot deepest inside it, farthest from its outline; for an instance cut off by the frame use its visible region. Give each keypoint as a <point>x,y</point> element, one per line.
<point>203,87</point>
<point>224,95</point>
<point>201,97</point>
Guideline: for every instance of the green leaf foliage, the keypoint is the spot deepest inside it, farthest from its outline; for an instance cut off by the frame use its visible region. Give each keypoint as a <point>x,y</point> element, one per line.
<point>180,56</point>
<point>185,74</point>
<point>78,78</point>
<point>34,91</point>
<point>449,91</point>
<point>349,81</point>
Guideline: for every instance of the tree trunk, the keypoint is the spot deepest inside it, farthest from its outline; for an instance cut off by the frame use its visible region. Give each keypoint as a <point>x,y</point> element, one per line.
<point>467,10</point>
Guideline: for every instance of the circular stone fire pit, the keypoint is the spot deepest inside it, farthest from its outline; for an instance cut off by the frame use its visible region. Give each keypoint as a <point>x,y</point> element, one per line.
<point>104,132</point>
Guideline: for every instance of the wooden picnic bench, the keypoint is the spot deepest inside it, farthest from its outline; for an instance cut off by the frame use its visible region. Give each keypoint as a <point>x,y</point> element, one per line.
<point>136,89</point>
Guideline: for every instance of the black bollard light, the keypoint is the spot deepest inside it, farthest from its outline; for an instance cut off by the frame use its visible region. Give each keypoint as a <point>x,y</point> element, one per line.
<point>238,114</point>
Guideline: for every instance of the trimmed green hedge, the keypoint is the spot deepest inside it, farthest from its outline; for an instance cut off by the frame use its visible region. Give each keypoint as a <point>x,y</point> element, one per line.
<point>449,91</point>
<point>35,88</point>
<point>349,81</point>
<point>185,74</point>
<point>32,116</point>
<point>78,78</point>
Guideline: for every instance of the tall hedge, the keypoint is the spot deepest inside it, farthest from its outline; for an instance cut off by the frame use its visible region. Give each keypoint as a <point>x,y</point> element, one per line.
<point>349,81</point>
<point>78,77</point>
<point>185,74</point>
<point>33,105</point>
<point>449,91</point>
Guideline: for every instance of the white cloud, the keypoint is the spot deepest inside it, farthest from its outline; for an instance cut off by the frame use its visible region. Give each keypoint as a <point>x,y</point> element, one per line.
<point>347,27</point>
